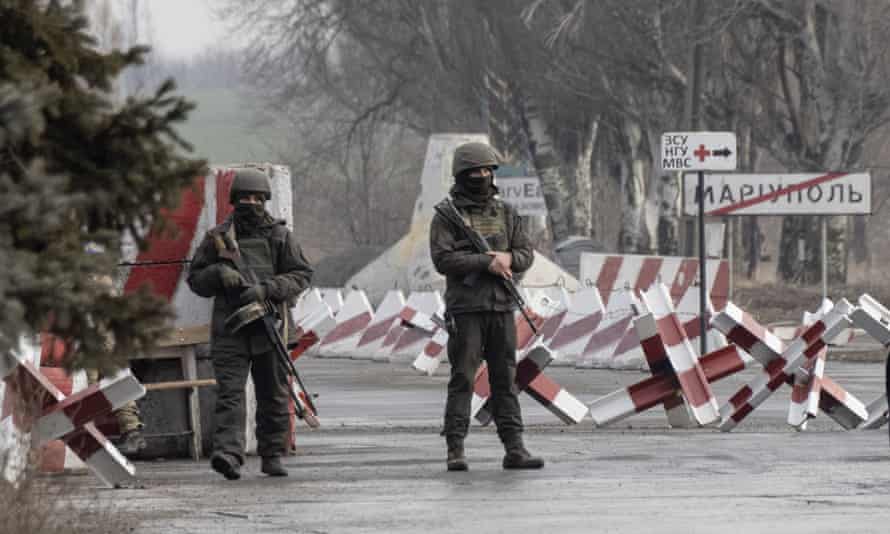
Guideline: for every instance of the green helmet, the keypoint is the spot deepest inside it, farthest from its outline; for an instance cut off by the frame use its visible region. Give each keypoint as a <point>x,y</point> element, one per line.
<point>249,180</point>
<point>473,156</point>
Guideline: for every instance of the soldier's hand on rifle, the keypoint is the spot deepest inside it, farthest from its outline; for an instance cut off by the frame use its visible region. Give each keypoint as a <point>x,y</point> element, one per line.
<point>253,293</point>
<point>229,277</point>
<point>500,264</point>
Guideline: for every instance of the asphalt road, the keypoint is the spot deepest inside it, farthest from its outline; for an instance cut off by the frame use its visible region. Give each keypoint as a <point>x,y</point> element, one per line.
<point>377,465</point>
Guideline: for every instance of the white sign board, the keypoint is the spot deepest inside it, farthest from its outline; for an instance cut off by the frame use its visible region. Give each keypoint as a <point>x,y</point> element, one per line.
<point>698,151</point>
<point>780,194</point>
<point>523,193</point>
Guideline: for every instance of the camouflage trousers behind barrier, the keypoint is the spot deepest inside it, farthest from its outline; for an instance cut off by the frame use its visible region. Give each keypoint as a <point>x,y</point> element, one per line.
<point>490,336</point>
<point>272,417</point>
<point>128,417</point>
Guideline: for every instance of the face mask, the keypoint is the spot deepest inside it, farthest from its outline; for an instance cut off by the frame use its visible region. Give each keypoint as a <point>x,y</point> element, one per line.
<point>478,185</point>
<point>249,212</point>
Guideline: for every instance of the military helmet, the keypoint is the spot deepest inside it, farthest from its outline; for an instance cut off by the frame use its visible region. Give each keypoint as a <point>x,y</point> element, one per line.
<point>473,156</point>
<point>249,180</point>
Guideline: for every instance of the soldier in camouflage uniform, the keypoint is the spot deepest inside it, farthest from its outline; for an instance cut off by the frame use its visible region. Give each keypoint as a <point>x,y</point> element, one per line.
<point>481,314</point>
<point>271,252</point>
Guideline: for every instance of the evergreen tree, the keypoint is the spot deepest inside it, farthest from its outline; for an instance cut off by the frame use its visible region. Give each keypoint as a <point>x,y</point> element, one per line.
<point>77,171</point>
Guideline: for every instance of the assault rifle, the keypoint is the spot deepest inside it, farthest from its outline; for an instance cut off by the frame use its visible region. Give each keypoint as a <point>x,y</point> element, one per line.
<point>449,212</point>
<point>267,314</point>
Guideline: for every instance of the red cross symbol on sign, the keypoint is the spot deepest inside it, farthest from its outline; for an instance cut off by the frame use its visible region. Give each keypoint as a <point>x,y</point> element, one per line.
<point>701,152</point>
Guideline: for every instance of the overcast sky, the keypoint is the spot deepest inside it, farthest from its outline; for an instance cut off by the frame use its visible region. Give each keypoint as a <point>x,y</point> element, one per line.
<point>184,28</point>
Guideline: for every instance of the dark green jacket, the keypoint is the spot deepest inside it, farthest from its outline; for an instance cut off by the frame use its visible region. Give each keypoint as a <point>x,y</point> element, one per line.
<point>454,257</point>
<point>292,274</point>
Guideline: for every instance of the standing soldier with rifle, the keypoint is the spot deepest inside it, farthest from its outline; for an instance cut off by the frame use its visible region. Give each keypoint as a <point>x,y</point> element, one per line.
<point>269,250</point>
<point>480,300</point>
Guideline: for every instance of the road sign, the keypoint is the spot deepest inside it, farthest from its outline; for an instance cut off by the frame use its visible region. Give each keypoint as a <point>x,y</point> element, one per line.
<point>523,193</point>
<point>698,151</point>
<point>780,194</point>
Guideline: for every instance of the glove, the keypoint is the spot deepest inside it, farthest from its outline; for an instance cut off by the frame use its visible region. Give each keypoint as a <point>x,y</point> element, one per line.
<point>256,293</point>
<point>230,277</point>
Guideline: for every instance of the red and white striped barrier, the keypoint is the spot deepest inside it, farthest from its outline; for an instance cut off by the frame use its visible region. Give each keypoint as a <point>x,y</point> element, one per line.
<point>412,340</point>
<point>768,350</point>
<point>581,319</point>
<point>615,327</point>
<point>202,206</point>
<point>612,273</point>
<point>663,387</point>
<point>433,353</point>
<point>308,303</point>
<point>82,437</point>
<point>352,320</point>
<point>86,405</point>
<point>312,328</point>
<point>663,323</point>
<point>531,379</point>
<point>781,368</point>
<point>387,315</point>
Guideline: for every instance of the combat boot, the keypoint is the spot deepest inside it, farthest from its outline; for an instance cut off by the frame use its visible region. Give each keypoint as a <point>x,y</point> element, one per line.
<point>456,460</point>
<point>518,457</point>
<point>271,465</point>
<point>226,465</point>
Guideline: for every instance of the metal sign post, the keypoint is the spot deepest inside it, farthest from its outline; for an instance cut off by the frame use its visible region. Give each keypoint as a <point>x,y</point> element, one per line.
<point>700,151</point>
<point>702,268</point>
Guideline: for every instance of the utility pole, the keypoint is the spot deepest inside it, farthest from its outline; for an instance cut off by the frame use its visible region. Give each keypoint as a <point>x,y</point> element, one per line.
<point>692,107</point>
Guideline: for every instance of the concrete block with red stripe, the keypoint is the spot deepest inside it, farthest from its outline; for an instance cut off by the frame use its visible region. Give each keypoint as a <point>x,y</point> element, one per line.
<point>412,340</point>
<point>161,266</point>
<point>333,297</point>
<point>385,317</point>
<point>663,323</point>
<point>312,328</point>
<point>25,380</point>
<point>613,333</point>
<point>531,379</point>
<point>580,321</point>
<point>611,273</point>
<point>782,368</point>
<point>353,318</point>
<point>434,350</point>
<point>308,303</point>
<point>433,353</point>
<point>614,275</point>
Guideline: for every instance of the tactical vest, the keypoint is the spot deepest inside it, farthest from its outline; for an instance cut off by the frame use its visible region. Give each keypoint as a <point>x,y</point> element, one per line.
<point>491,222</point>
<point>257,254</point>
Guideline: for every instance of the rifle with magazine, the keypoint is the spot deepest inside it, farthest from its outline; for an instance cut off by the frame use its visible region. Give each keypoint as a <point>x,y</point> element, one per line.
<point>268,315</point>
<point>449,212</point>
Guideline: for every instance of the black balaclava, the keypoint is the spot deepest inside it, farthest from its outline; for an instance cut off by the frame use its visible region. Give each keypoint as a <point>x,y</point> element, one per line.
<point>249,217</point>
<point>477,188</point>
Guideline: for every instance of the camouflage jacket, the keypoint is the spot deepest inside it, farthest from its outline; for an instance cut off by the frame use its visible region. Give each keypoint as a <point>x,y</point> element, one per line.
<point>454,256</point>
<point>291,275</point>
